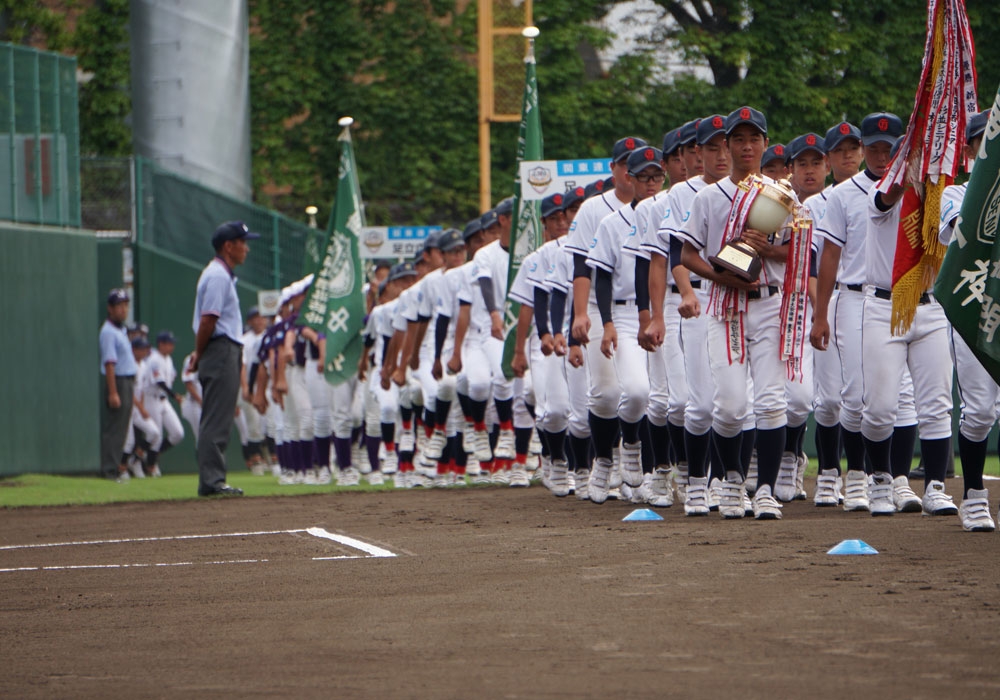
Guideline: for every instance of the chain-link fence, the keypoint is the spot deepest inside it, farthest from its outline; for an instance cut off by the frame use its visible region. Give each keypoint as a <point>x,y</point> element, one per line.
<point>39,137</point>
<point>106,194</point>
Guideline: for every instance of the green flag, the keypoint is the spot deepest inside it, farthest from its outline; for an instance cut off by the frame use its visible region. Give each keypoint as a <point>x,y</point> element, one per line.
<point>968,285</point>
<point>526,228</point>
<point>313,254</point>
<point>335,304</point>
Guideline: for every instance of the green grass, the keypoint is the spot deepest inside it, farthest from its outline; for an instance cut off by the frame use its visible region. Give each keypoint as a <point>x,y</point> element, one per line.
<point>59,490</point>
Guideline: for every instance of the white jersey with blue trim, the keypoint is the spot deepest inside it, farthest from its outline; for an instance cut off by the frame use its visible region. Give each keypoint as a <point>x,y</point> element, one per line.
<point>675,216</point>
<point>816,204</point>
<point>469,293</point>
<point>522,291</point>
<point>161,369</point>
<point>648,214</point>
<point>880,250</point>
<point>951,207</point>
<point>607,254</point>
<point>845,223</point>
<point>405,308</point>
<point>706,227</point>
<point>449,297</point>
<point>548,255</point>
<point>580,238</point>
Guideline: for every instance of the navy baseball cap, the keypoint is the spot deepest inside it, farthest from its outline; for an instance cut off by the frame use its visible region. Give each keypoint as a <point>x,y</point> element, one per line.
<point>671,141</point>
<point>594,188</point>
<point>140,342</point>
<point>117,296</point>
<point>140,328</point>
<point>746,115</point>
<point>625,146</point>
<point>708,128</point>
<point>504,207</point>
<point>977,125</point>
<point>232,231</point>
<point>254,311</point>
<point>553,204</point>
<point>400,270</point>
<point>836,135</point>
<point>609,183</point>
<point>472,228</point>
<point>488,219</point>
<point>165,337</point>
<point>773,153</point>
<point>433,240</point>
<point>883,127</point>
<point>573,196</point>
<point>450,239</point>
<point>642,158</point>
<point>803,143</point>
<point>688,132</point>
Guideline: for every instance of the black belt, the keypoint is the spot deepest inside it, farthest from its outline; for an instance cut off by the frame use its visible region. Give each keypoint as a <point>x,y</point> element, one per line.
<point>886,294</point>
<point>852,287</point>
<point>756,293</point>
<point>624,302</point>
<point>695,284</point>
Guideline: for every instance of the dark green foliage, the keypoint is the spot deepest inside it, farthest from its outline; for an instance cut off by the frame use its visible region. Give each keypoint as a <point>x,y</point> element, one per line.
<point>101,44</point>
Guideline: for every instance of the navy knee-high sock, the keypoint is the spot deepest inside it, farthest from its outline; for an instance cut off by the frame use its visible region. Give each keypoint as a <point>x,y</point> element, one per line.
<point>660,438</point>
<point>854,449</point>
<point>746,450</point>
<point>935,454</point>
<point>697,447</point>
<point>604,434</point>
<point>901,450</point>
<point>973,456</point>
<point>828,446</point>
<point>677,441</point>
<point>770,445</point>
<point>878,453</point>
<point>371,446</point>
<point>716,467</point>
<point>646,440</point>
<point>580,447</point>
<point>729,451</point>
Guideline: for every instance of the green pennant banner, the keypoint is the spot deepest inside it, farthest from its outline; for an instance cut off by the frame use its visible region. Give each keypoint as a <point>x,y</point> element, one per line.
<point>968,285</point>
<point>526,227</point>
<point>335,304</point>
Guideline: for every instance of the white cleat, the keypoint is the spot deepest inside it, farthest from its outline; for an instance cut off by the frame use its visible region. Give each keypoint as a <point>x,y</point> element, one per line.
<point>350,477</point>
<point>287,477</point>
<point>472,466</point>
<point>435,446</point>
<point>375,478</point>
<point>534,445</point>
<point>519,477</point>
<point>390,464</point>
<point>801,463</point>
<point>826,489</point>
<point>731,500</point>
<point>747,503</point>
<point>505,445</point>
<point>399,480</point>
<point>581,484</point>
<point>714,494</point>
<point>407,441</point>
<point>324,476</point>
<point>880,495</point>
<point>750,483</point>
<point>440,481</point>
<point>501,477</point>
<point>903,497</point>
<point>559,478</point>
<point>311,478</point>
<point>856,491</point>
<point>697,496</point>
<point>784,487</point>
<point>975,512</point>
<point>660,489</point>
<point>571,481</point>
<point>679,477</point>
<point>469,439</point>
<point>936,501</point>
<point>483,452</point>
<point>600,480</point>
<point>765,507</point>
<point>631,467</point>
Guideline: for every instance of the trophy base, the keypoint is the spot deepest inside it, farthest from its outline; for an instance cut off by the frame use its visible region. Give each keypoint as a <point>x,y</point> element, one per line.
<point>739,259</point>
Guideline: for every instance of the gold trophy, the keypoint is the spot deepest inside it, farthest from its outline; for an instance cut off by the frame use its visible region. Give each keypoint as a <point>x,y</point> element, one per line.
<point>768,213</point>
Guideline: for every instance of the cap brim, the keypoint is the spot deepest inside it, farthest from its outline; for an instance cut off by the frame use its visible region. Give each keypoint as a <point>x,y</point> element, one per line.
<point>741,122</point>
<point>840,139</point>
<point>251,236</point>
<point>878,138</point>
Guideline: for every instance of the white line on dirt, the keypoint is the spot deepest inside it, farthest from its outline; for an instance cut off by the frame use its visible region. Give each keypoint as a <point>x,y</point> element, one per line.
<point>369,549</point>
<point>151,539</point>
<point>128,566</point>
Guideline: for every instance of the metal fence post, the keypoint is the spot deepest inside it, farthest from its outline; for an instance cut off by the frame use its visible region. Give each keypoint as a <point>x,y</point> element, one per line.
<point>12,101</point>
<point>37,150</point>
<point>57,142</point>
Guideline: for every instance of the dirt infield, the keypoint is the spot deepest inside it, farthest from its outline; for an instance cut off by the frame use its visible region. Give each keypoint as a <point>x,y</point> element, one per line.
<point>493,593</point>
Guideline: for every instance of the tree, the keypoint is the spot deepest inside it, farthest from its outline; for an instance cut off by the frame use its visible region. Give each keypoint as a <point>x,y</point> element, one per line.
<point>102,49</point>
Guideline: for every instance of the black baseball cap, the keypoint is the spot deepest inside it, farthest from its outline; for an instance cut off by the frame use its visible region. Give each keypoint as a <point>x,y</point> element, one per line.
<point>708,128</point>
<point>642,158</point>
<point>573,196</point>
<point>977,125</point>
<point>472,228</point>
<point>671,141</point>
<point>836,135</point>
<point>688,132</point>
<point>552,204</point>
<point>450,239</point>
<point>625,146</point>
<point>400,270</point>
<point>488,219</point>
<point>746,115</point>
<point>504,207</point>
<point>775,152</point>
<point>117,296</point>
<point>803,143</point>
<point>165,337</point>
<point>883,127</point>
<point>232,231</point>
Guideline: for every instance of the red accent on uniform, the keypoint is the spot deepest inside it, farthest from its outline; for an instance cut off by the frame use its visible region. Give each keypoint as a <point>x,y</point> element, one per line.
<point>506,425</point>
<point>557,199</point>
<point>630,144</point>
<point>883,124</point>
<point>599,185</point>
<point>811,140</point>
<point>744,113</point>
<point>580,191</point>
<point>521,459</point>
<point>717,122</point>
<point>649,154</point>
<point>779,150</point>
<point>845,128</point>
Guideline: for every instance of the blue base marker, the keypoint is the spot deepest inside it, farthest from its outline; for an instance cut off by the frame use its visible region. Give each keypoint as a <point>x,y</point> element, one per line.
<point>849,547</point>
<point>642,515</point>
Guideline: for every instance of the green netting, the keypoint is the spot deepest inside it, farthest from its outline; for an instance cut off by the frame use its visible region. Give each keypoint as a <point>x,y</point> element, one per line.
<point>39,137</point>
<point>178,216</point>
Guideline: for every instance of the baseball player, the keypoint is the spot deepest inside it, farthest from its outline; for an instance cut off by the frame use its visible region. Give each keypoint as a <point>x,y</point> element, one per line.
<point>677,293</point>
<point>142,419</point>
<point>844,229</point>
<point>925,349</point>
<point>191,401</point>
<point>587,325</point>
<point>157,395</point>
<point>744,327</point>
<point>978,393</point>
<point>772,163</point>
<point>619,375</point>
<point>249,422</point>
<point>688,150</point>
